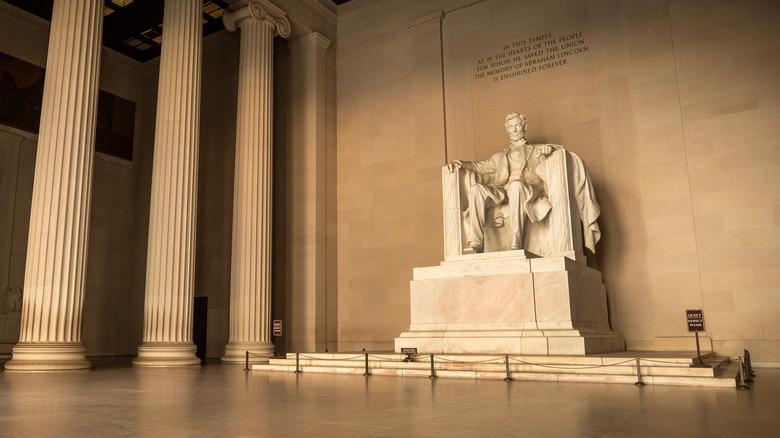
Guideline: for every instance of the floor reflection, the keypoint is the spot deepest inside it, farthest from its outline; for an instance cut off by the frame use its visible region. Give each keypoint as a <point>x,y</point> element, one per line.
<point>117,399</point>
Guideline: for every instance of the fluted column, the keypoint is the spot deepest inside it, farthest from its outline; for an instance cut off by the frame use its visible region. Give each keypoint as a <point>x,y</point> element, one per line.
<point>250,276</point>
<point>168,305</point>
<point>55,271</point>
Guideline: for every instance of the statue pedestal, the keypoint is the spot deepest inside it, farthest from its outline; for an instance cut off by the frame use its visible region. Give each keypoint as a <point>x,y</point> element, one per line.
<point>509,302</point>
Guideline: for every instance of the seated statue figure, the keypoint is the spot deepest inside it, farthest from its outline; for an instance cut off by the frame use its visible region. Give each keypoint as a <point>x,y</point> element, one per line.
<point>533,187</point>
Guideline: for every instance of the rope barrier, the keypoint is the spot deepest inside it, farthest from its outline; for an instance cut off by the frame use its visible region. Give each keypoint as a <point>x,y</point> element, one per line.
<point>743,377</point>
<point>360,356</point>
<point>497,359</point>
<point>246,360</point>
<point>563,367</point>
<point>661,361</point>
<point>383,358</point>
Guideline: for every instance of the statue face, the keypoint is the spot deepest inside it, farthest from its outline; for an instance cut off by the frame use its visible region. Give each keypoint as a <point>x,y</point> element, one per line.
<point>514,128</point>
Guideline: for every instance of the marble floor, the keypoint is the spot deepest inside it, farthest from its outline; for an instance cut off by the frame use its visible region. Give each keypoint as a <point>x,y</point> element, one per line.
<point>215,400</point>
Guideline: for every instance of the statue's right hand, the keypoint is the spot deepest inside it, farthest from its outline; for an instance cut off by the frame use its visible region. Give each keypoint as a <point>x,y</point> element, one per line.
<point>455,164</point>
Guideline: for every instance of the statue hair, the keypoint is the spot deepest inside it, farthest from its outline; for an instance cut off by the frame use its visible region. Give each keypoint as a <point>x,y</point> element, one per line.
<point>523,120</point>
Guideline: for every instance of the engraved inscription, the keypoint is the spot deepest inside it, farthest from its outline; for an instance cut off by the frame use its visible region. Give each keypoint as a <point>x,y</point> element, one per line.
<point>530,55</point>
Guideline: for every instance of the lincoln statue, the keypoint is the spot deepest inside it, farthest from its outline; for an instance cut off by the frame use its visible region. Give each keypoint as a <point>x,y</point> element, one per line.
<point>508,176</point>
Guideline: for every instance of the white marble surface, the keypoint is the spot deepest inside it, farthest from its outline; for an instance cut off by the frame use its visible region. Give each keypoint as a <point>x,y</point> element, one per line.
<point>532,196</point>
<point>504,302</point>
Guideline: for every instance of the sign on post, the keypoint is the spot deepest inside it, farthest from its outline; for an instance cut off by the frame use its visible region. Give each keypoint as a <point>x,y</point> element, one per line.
<point>409,352</point>
<point>695,318</point>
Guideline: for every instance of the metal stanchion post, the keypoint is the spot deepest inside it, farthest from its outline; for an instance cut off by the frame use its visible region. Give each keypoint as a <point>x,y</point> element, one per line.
<point>749,365</point>
<point>297,363</point>
<point>639,381</point>
<point>433,372</point>
<point>741,376</point>
<point>746,368</point>
<point>508,376</point>
<point>246,365</point>
<point>367,373</point>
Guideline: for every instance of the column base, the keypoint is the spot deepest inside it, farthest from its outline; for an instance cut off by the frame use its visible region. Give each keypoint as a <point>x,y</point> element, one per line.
<point>46,356</point>
<point>259,352</point>
<point>165,354</point>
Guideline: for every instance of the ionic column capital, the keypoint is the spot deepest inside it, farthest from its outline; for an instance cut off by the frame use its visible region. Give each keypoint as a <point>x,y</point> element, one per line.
<point>259,10</point>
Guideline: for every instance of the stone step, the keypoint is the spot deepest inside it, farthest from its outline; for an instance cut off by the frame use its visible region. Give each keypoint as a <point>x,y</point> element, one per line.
<point>627,368</point>
<point>670,369</point>
<point>647,358</point>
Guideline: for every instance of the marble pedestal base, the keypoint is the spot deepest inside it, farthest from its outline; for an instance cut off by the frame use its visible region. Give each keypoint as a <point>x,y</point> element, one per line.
<point>48,357</point>
<point>259,352</point>
<point>509,302</point>
<point>166,354</point>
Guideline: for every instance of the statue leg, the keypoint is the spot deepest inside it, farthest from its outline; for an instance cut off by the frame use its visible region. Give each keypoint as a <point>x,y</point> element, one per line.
<point>516,194</point>
<point>480,198</point>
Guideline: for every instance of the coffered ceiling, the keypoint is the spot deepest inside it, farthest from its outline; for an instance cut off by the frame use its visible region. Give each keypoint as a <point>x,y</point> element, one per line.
<point>134,27</point>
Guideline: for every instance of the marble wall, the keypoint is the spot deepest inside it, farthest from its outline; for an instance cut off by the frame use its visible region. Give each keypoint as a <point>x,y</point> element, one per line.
<point>391,146</point>
<point>672,104</point>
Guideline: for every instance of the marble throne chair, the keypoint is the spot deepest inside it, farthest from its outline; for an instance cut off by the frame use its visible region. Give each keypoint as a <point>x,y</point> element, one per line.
<point>559,233</point>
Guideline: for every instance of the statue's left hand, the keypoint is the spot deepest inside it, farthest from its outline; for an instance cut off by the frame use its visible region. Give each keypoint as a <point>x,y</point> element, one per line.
<point>543,150</point>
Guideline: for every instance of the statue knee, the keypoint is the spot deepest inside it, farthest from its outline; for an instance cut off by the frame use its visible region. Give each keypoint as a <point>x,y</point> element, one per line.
<point>477,193</point>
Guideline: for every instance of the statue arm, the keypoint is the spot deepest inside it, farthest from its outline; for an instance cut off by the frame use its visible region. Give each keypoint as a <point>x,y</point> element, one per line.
<point>481,167</point>
<point>486,166</point>
<point>456,164</point>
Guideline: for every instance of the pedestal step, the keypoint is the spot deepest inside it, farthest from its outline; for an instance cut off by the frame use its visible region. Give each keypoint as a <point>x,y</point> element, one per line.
<point>670,368</point>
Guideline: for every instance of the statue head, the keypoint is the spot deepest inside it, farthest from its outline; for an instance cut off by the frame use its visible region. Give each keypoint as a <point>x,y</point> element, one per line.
<point>515,125</point>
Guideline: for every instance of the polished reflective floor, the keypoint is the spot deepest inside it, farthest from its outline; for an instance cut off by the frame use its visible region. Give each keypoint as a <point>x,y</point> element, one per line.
<point>214,400</point>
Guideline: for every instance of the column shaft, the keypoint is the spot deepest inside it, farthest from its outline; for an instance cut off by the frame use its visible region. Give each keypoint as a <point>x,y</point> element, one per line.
<point>168,305</point>
<point>250,277</point>
<point>55,271</point>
